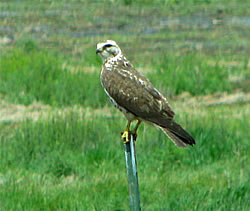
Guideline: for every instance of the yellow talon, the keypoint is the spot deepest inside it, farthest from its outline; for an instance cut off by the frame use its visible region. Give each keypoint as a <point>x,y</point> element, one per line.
<point>125,136</point>
<point>127,133</point>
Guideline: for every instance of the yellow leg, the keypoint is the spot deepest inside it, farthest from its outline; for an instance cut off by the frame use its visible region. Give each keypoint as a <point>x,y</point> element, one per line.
<point>136,126</point>
<point>126,134</point>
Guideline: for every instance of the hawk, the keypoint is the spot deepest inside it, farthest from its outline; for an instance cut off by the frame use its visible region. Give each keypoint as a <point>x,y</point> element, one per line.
<point>135,96</point>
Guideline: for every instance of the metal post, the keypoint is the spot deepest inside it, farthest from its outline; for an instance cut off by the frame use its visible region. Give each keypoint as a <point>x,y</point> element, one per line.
<point>133,186</point>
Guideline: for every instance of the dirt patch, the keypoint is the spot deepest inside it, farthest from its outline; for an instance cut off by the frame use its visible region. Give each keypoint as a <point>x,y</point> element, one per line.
<point>16,112</point>
<point>183,103</point>
<point>228,63</point>
<point>186,99</point>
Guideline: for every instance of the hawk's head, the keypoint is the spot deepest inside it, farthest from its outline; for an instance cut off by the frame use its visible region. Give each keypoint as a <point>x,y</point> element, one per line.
<point>107,49</point>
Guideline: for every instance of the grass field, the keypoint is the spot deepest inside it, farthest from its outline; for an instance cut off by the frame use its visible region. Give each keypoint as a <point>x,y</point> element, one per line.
<point>59,137</point>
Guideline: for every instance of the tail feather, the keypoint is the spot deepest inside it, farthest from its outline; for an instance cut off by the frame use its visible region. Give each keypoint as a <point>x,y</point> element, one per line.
<point>177,134</point>
<point>178,142</point>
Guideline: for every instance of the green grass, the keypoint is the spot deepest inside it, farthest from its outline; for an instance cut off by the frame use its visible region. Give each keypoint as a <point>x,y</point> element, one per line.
<point>67,163</point>
<point>189,73</point>
<point>31,74</point>
<point>75,160</point>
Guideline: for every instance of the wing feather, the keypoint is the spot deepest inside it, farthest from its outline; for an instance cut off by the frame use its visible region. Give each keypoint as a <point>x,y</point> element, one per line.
<point>131,90</point>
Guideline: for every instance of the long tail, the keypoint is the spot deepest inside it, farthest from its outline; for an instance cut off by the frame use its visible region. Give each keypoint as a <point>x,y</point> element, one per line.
<point>177,134</point>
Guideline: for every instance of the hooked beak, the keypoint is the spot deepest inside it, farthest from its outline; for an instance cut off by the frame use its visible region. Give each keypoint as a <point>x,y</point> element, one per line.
<point>98,51</point>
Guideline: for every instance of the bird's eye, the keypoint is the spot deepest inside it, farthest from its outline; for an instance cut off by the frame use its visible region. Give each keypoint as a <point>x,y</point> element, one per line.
<point>108,45</point>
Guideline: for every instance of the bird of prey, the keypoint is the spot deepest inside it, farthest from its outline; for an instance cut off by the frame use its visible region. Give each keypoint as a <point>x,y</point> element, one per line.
<point>135,96</point>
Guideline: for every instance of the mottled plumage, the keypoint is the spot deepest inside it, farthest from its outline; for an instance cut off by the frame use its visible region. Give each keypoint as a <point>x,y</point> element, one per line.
<point>135,96</point>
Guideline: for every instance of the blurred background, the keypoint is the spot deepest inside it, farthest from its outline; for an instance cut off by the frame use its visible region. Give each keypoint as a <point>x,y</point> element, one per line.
<point>59,136</point>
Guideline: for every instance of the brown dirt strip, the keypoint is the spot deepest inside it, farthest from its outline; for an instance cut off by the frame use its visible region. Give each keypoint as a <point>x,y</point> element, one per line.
<point>183,103</point>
